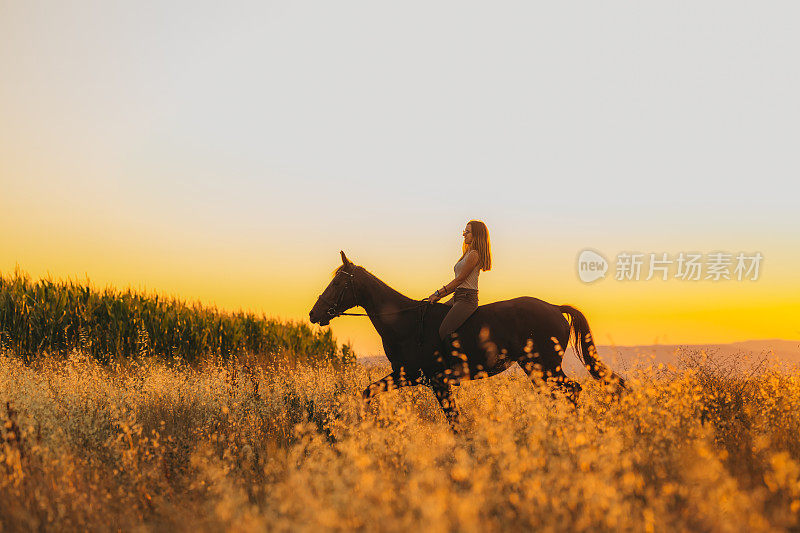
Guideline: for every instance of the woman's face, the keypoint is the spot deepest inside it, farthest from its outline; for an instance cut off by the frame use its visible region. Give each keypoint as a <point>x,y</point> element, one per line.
<point>467,234</point>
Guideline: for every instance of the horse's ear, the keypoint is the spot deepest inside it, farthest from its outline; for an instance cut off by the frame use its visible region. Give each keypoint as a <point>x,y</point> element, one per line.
<point>345,260</point>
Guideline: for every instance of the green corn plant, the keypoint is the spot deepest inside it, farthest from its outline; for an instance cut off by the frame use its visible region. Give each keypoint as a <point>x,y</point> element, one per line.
<point>57,317</point>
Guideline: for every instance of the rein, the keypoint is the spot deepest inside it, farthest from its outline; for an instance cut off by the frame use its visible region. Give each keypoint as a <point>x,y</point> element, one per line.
<point>423,304</point>
<point>332,310</point>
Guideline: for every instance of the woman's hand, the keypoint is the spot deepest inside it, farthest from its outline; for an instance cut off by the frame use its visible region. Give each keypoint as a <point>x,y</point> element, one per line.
<point>437,294</point>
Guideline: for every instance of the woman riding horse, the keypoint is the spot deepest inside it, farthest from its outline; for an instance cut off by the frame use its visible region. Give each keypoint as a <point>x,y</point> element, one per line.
<point>526,331</point>
<point>476,256</point>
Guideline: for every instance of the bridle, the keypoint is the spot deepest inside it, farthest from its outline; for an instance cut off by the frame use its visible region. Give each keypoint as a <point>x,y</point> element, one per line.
<point>333,313</point>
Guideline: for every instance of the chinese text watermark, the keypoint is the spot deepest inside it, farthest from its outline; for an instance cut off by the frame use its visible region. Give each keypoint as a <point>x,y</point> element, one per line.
<point>685,266</point>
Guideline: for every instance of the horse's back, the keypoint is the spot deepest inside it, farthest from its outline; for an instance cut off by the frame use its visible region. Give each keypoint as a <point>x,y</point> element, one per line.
<point>517,316</point>
<point>515,305</point>
<point>522,316</point>
<point>497,334</point>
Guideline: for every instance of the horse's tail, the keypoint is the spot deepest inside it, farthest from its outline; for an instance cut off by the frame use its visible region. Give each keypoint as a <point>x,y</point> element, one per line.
<point>585,348</point>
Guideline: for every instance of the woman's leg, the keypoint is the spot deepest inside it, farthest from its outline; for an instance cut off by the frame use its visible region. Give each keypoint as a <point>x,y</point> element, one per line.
<point>454,361</point>
<point>455,317</point>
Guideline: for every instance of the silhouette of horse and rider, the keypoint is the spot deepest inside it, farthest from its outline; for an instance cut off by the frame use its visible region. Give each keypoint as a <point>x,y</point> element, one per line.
<point>439,345</point>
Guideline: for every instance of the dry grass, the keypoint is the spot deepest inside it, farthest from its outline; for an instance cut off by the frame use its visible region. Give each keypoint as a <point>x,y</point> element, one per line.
<point>235,446</point>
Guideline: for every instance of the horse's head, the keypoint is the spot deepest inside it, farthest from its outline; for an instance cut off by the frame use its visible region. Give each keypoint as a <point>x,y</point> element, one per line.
<point>338,296</point>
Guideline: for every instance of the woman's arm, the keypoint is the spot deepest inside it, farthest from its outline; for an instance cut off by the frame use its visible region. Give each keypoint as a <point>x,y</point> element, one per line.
<point>472,262</point>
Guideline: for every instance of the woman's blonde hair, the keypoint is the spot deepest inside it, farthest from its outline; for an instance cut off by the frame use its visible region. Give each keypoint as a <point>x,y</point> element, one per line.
<point>480,243</point>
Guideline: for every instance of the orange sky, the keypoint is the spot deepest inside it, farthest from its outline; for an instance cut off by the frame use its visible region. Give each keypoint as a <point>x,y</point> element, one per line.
<point>227,155</point>
<point>235,276</point>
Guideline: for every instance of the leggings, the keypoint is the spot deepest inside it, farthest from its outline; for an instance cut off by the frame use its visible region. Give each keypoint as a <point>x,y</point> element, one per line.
<point>464,303</point>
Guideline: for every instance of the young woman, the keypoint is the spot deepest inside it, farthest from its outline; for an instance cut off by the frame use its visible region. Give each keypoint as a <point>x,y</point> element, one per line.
<point>476,256</point>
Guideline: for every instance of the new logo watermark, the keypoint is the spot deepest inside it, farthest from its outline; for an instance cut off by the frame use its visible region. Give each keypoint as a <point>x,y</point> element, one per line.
<point>685,266</point>
<point>591,266</point>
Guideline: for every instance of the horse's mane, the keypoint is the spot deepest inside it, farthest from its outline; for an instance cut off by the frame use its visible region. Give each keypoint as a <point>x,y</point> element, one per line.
<point>367,272</point>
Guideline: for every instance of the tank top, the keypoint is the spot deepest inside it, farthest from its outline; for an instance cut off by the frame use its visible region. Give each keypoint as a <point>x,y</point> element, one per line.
<point>472,279</point>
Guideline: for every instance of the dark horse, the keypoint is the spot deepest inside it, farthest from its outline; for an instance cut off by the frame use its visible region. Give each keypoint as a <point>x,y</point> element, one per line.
<point>525,330</point>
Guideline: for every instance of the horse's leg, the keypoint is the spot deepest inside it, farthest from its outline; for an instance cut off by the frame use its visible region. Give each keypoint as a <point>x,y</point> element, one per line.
<point>447,400</point>
<point>444,361</point>
<point>544,368</point>
<point>397,379</point>
<point>571,389</point>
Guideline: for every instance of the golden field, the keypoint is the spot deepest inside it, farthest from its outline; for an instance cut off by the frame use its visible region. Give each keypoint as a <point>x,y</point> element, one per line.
<point>242,446</point>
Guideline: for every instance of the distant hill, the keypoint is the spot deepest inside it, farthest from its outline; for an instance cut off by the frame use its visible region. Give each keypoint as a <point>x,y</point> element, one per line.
<point>626,358</point>
<point>785,352</point>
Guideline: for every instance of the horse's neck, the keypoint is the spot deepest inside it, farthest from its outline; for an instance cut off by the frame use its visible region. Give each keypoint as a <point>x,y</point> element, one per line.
<point>389,310</point>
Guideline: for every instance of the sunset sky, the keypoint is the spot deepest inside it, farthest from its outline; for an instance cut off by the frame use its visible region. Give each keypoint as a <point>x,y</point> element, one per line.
<point>226,152</point>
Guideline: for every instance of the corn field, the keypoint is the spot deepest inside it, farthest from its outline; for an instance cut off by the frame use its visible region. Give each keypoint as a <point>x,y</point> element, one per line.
<point>57,317</point>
